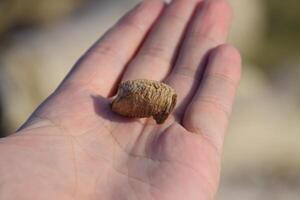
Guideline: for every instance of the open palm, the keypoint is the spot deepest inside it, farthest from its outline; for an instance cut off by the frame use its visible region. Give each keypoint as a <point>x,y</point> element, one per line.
<point>75,147</point>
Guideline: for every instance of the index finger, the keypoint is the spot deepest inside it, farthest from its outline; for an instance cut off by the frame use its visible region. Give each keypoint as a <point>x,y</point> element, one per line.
<point>100,67</point>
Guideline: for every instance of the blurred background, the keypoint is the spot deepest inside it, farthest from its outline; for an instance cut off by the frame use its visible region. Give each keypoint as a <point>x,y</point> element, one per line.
<point>40,40</point>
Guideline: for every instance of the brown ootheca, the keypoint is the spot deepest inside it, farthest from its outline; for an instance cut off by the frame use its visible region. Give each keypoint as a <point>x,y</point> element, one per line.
<point>145,98</point>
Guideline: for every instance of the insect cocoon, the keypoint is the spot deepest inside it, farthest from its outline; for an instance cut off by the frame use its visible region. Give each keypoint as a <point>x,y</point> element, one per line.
<point>145,98</point>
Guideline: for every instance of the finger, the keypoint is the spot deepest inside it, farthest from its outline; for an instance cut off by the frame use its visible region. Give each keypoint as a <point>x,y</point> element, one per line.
<point>211,106</point>
<point>155,57</point>
<point>208,30</point>
<point>100,68</point>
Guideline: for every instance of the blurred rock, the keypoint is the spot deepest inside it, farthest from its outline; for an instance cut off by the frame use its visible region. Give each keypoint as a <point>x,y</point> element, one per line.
<point>282,30</point>
<point>30,12</point>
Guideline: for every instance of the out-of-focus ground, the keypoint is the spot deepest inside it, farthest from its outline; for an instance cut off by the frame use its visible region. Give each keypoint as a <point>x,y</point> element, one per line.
<point>40,40</point>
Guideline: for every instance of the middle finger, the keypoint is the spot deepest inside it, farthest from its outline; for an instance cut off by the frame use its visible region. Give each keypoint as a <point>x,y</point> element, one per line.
<point>155,57</point>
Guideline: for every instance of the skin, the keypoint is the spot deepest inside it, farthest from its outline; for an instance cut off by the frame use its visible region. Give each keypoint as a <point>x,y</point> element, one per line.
<point>74,147</point>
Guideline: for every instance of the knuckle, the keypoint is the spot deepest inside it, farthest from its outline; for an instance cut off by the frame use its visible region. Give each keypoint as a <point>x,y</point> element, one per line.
<point>231,59</point>
<point>132,23</point>
<point>189,72</point>
<point>105,52</point>
<point>228,51</point>
<point>157,53</point>
<point>216,104</point>
<point>201,37</point>
<point>176,18</point>
<point>222,78</point>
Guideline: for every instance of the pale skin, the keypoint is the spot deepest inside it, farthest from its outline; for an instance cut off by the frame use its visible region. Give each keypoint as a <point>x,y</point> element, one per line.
<point>74,147</point>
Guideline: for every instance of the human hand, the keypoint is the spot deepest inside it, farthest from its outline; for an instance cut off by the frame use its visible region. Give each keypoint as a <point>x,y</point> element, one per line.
<point>74,147</point>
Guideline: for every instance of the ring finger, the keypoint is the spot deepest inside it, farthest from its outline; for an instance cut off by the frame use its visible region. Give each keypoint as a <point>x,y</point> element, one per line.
<point>154,59</point>
<point>209,29</point>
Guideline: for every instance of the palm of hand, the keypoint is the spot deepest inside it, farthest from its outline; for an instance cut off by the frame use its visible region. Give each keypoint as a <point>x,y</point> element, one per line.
<point>103,156</point>
<point>75,147</point>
